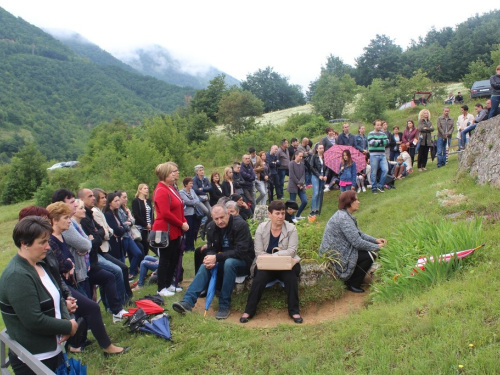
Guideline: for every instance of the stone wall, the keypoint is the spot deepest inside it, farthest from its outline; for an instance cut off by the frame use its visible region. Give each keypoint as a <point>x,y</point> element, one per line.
<point>481,157</point>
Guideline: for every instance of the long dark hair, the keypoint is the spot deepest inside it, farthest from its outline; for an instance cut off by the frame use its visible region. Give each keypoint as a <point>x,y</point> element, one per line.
<point>111,197</point>
<point>349,159</point>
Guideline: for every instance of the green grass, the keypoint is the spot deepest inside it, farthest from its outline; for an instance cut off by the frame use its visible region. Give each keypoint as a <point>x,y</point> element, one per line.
<point>425,331</point>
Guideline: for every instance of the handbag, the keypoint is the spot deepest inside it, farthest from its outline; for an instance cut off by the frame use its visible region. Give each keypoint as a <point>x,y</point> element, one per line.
<point>280,263</point>
<point>135,233</point>
<point>158,238</point>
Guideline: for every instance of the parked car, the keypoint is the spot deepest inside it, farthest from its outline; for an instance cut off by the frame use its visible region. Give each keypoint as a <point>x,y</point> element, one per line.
<point>64,164</point>
<point>480,89</point>
<point>333,121</point>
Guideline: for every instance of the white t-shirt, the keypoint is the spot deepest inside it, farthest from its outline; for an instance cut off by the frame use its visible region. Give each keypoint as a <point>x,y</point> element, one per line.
<point>462,123</point>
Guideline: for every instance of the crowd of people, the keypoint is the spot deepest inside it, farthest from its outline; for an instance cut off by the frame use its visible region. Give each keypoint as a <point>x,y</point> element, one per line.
<point>82,241</point>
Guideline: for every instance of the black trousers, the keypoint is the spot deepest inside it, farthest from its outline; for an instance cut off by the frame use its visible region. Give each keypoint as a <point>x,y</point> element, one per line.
<point>362,266</point>
<point>90,311</point>
<point>411,151</point>
<point>423,154</point>
<point>106,280</point>
<point>273,183</point>
<point>262,277</point>
<point>167,263</point>
<point>198,258</point>
<point>21,368</point>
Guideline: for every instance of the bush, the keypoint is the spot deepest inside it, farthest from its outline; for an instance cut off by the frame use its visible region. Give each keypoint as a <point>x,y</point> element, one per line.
<point>64,178</point>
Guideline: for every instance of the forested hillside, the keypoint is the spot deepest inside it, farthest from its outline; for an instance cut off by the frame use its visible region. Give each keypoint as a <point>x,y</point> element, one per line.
<point>50,95</point>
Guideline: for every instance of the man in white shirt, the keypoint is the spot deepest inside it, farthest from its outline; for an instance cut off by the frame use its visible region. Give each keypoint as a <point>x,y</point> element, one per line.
<point>464,120</point>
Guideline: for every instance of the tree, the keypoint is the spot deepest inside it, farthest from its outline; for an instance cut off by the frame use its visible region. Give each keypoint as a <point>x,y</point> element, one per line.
<point>235,109</point>
<point>207,100</point>
<point>381,59</point>
<point>374,100</point>
<point>334,65</point>
<point>26,173</point>
<point>332,94</point>
<point>273,89</point>
<point>406,87</point>
<point>199,127</point>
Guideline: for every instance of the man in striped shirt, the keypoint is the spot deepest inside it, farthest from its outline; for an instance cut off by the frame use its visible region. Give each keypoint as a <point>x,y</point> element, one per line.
<point>377,140</point>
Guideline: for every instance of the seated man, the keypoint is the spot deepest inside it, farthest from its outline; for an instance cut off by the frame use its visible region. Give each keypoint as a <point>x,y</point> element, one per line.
<point>245,211</point>
<point>482,114</point>
<point>450,98</point>
<point>230,245</point>
<point>459,98</point>
<point>282,235</point>
<point>291,208</point>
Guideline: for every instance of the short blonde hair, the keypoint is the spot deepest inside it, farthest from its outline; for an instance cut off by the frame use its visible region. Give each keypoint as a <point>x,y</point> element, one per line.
<point>163,170</point>
<point>58,210</point>
<point>421,113</point>
<point>139,189</point>
<point>79,203</point>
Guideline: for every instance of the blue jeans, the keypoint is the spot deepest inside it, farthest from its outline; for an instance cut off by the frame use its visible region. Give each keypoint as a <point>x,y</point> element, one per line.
<point>393,156</point>
<point>117,273</point>
<point>303,200</point>
<point>463,134</point>
<point>281,182</point>
<point>495,101</point>
<point>308,178</point>
<point>148,264</point>
<point>318,186</point>
<point>378,161</point>
<point>345,188</point>
<point>231,268</point>
<point>134,252</point>
<point>441,150</point>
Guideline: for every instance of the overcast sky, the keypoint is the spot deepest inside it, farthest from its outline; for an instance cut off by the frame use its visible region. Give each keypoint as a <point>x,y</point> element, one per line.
<point>240,37</point>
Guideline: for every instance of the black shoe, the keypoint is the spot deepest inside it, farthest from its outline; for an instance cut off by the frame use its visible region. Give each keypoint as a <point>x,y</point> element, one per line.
<point>381,190</point>
<point>222,314</point>
<point>182,307</point>
<point>298,320</point>
<point>374,191</point>
<point>203,294</point>
<point>125,350</point>
<point>245,320</point>
<point>354,289</point>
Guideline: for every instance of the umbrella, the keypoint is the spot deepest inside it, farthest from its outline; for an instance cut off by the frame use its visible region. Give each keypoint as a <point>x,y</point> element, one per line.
<point>147,305</point>
<point>446,257</point>
<point>333,156</point>
<point>159,326</point>
<point>211,289</point>
<point>71,367</point>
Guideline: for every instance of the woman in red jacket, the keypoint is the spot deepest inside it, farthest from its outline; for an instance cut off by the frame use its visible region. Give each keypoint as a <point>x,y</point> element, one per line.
<point>169,217</point>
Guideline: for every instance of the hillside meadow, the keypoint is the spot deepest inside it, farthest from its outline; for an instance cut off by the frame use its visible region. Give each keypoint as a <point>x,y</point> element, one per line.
<point>433,330</point>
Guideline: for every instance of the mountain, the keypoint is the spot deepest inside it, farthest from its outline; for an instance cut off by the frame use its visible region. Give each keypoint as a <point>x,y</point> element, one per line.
<point>53,96</point>
<point>158,62</point>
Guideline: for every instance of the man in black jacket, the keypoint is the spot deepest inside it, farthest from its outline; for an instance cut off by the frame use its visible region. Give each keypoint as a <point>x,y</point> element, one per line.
<point>230,247</point>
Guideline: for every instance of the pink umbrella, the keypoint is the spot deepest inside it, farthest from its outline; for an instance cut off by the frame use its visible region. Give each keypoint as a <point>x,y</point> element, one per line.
<point>333,156</point>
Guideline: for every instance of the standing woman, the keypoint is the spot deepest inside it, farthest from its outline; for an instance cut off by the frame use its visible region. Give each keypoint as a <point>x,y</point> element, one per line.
<point>394,142</point>
<point>360,141</point>
<point>318,170</point>
<point>32,306</point>
<point>143,213</point>
<point>191,201</point>
<point>296,182</point>
<point>425,128</point>
<point>169,217</point>
<point>347,172</point>
<point>216,191</point>
<point>262,178</point>
<point>227,184</point>
<point>410,138</point>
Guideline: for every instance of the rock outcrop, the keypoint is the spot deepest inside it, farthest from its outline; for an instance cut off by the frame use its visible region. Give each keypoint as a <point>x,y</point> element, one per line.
<point>481,157</point>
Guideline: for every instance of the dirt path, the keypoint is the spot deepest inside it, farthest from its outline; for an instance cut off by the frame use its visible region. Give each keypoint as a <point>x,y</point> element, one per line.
<point>331,310</point>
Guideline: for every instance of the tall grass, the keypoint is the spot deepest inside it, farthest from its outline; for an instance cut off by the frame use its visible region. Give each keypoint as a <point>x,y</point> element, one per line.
<point>423,238</point>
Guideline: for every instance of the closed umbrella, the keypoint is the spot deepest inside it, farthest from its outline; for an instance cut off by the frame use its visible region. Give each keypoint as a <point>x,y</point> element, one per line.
<point>211,288</point>
<point>333,157</point>
<point>159,326</point>
<point>71,367</point>
<point>446,257</point>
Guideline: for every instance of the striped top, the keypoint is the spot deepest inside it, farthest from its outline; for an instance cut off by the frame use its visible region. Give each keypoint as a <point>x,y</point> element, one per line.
<point>377,142</point>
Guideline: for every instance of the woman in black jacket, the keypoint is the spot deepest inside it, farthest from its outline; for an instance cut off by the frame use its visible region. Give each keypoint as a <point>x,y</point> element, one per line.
<point>318,177</point>
<point>142,210</point>
<point>216,191</point>
<point>394,143</point>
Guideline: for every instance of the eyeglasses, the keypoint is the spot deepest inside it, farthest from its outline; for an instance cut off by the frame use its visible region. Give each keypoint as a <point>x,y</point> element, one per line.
<point>175,171</point>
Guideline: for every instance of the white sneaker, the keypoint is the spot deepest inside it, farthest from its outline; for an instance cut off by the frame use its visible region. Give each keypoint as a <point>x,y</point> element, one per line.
<point>369,186</point>
<point>364,190</point>
<point>294,220</point>
<point>327,189</point>
<point>174,289</point>
<point>358,191</point>
<point>299,217</point>
<point>166,293</point>
<point>119,315</point>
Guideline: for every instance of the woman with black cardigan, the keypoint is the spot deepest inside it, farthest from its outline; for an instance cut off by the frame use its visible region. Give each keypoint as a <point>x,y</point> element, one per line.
<point>216,191</point>
<point>142,210</point>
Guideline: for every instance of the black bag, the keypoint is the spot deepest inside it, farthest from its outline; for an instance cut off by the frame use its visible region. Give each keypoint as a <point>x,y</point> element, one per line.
<point>156,298</point>
<point>159,239</point>
<point>136,320</point>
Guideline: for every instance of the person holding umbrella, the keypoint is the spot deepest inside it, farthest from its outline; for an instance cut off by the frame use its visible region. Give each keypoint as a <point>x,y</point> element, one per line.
<point>230,246</point>
<point>347,172</point>
<point>276,233</point>
<point>355,251</point>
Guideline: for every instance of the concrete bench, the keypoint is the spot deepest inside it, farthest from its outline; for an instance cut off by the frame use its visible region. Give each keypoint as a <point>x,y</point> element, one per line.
<point>38,367</point>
